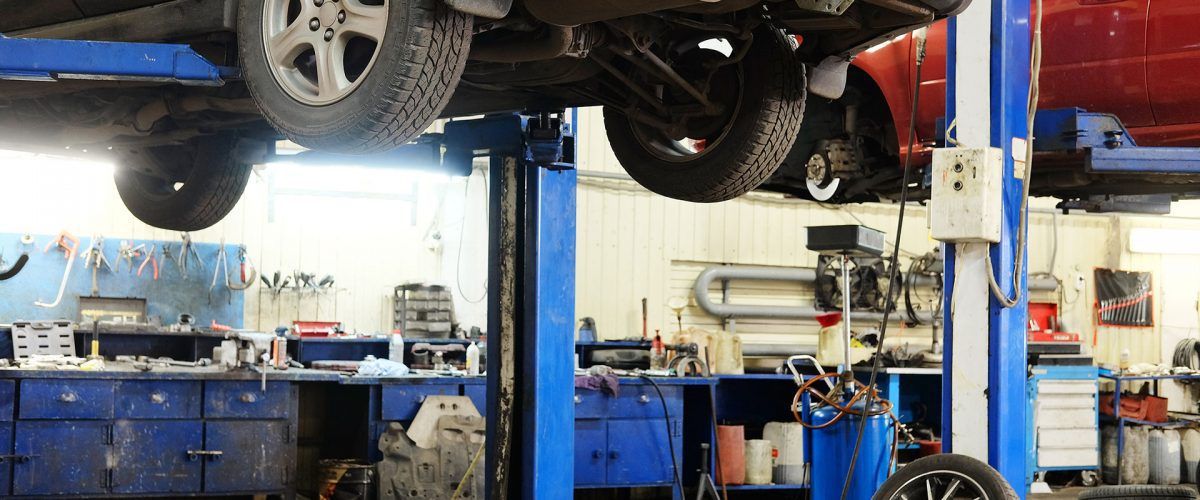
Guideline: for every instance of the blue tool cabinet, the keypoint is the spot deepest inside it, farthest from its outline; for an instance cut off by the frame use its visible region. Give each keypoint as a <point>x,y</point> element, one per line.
<point>112,436</point>
<point>622,441</point>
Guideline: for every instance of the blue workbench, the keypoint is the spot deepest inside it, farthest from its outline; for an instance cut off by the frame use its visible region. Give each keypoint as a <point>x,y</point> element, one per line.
<point>124,432</point>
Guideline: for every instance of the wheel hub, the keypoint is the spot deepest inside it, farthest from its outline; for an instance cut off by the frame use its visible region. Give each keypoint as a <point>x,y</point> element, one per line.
<point>328,14</point>
<point>320,50</point>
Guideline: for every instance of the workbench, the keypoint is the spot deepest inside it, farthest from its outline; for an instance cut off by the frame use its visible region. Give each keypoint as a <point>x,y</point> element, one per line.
<point>124,432</point>
<point>203,431</point>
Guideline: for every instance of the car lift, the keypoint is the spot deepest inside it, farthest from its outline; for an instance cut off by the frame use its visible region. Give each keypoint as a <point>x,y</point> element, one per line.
<point>531,282</point>
<point>984,375</point>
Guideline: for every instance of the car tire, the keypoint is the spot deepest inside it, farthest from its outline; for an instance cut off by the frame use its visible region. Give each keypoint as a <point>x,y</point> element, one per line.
<point>759,135</point>
<point>1138,492</point>
<point>414,70</point>
<point>986,482</point>
<point>206,180</point>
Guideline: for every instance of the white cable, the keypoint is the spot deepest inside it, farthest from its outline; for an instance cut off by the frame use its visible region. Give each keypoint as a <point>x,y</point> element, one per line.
<point>1035,70</point>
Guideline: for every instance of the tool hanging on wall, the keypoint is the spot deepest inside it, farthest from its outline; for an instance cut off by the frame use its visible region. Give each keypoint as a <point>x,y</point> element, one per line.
<point>188,255</point>
<point>7,273</point>
<point>221,268</point>
<point>149,259</point>
<point>247,272</point>
<point>127,253</point>
<point>69,244</point>
<point>94,257</point>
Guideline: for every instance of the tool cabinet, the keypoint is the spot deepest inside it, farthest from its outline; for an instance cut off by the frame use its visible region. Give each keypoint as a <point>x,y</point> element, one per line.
<point>120,437</point>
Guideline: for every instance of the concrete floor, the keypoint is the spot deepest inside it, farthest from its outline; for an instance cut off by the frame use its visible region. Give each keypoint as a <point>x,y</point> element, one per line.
<point>1063,494</point>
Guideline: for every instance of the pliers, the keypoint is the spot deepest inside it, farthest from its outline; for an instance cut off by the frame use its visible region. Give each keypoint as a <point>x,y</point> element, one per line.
<point>149,260</point>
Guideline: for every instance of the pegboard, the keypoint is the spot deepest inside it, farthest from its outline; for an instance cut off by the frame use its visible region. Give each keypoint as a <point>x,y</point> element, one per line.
<point>166,298</point>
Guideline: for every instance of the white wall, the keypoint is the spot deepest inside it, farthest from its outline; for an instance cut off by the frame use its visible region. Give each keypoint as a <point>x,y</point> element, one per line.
<point>368,228</point>
<point>374,229</point>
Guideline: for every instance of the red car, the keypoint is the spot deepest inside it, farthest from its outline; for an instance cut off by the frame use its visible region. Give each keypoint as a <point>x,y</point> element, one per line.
<point>1136,59</point>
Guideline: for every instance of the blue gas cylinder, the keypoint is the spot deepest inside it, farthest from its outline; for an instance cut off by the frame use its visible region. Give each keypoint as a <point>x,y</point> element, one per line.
<point>833,447</point>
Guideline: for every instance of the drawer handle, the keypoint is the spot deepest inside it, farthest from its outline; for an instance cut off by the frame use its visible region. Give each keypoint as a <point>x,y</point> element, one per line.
<point>158,397</point>
<point>68,397</point>
<point>597,454</point>
<point>644,399</point>
<point>578,399</point>
<point>212,455</point>
<point>248,397</point>
<point>21,459</point>
<point>614,454</point>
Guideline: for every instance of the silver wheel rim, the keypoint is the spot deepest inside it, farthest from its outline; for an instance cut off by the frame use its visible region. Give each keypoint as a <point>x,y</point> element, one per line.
<point>320,51</point>
<point>940,485</point>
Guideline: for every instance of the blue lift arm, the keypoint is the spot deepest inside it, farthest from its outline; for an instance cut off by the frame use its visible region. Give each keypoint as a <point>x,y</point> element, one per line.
<point>51,60</point>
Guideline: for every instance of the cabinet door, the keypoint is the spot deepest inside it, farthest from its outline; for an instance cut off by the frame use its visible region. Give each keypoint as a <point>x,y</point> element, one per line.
<point>63,457</point>
<point>591,452</point>
<point>254,455</point>
<point>639,452</point>
<point>152,456</point>
<point>6,448</point>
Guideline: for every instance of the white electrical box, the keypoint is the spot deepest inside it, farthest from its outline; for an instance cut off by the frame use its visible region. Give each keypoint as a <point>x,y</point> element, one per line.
<point>966,204</point>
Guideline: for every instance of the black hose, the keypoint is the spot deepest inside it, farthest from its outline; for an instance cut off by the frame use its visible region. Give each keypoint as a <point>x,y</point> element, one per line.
<point>670,440</point>
<point>1187,354</point>
<point>862,424</point>
<point>16,268</point>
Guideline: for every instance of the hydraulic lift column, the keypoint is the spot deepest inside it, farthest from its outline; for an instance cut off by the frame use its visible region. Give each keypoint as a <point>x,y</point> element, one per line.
<point>984,372</point>
<point>531,301</point>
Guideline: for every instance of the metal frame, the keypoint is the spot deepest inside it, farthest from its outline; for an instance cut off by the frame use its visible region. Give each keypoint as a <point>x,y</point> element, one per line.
<point>47,60</point>
<point>987,90</point>
<point>531,306</point>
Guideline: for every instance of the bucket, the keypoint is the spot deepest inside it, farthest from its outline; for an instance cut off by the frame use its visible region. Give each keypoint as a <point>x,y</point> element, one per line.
<point>346,480</point>
<point>731,453</point>
<point>758,461</point>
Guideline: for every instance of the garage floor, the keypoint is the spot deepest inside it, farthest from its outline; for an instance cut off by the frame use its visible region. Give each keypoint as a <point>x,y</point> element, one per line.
<point>1063,494</point>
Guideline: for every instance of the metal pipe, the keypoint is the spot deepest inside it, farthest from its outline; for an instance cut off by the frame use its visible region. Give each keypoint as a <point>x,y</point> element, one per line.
<point>848,378</point>
<point>797,274</point>
<point>555,43</point>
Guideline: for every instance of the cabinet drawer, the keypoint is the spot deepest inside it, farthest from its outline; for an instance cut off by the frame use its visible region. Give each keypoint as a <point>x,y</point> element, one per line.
<point>246,399</point>
<point>66,399</point>
<point>590,404</point>
<point>158,399</point>
<point>641,401</point>
<point>401,402</point>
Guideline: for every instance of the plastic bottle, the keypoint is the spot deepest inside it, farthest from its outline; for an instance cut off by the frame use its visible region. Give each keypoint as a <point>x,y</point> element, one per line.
<point>472,359</point>
<point>396,347</point>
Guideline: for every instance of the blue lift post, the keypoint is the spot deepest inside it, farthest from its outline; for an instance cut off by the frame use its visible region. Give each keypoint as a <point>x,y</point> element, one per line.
<point>531,299</point>
<point>1006,96</point>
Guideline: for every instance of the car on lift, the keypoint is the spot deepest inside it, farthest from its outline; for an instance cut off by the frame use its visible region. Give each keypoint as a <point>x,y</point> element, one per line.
<point>702,98</point>
<point>1135,59</point>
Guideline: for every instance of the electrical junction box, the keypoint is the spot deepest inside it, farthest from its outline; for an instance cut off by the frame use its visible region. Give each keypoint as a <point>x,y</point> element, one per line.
<point>966,203</point>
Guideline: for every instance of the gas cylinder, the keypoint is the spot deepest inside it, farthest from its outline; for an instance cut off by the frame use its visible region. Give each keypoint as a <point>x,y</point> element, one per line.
<point>833,446</point>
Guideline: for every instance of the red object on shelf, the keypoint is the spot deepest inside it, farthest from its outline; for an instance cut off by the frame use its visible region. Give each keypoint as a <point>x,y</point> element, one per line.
<point>316,328</point>
<point>1043,324</point>
<point>1137,406</point>
<point>731,454</point>
<point>929,448</point>
<point>829,319</point>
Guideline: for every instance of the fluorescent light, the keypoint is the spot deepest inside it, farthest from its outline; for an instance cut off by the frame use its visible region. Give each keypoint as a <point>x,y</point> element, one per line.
<point>1164,241</point>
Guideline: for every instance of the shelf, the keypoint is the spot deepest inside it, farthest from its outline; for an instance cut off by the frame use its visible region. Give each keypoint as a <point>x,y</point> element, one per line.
<point>764,487</point>
<point>1164,425</point>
